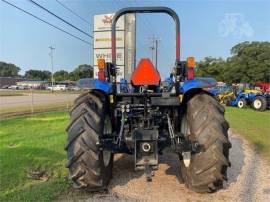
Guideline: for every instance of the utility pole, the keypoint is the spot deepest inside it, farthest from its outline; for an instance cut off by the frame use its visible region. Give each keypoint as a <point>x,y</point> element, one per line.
<point>156,43</point>
<point>51,55</point>
<point>154,49</point>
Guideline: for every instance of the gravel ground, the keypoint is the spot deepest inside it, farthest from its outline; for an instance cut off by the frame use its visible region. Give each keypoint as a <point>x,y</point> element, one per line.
<point>248,180</point>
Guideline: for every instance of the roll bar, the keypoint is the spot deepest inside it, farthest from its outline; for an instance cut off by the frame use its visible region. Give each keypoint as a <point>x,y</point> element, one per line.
<point>167,10</point>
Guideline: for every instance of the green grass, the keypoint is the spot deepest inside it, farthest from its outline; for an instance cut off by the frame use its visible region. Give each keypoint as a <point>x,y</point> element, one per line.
<point>253,125</point>
<point>37,143</point>
<point>11,93</point>
<point>23,110</point>
<point>33,143</point>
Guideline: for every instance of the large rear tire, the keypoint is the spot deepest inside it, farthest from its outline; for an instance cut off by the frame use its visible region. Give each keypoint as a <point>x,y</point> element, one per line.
<point>89,167</point>
<point>204,122</point>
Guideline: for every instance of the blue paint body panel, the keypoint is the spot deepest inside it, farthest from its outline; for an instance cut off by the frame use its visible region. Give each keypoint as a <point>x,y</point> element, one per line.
<point>250,97</point>
<point>198,82</point>
<point>90,83</point>
<point>106,87</point>
<point>170,83</point>
<point>124,86</point>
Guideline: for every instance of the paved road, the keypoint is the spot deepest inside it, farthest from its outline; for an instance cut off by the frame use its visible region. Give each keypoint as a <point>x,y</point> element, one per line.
<point>248,180</point>
<point>38,99</point>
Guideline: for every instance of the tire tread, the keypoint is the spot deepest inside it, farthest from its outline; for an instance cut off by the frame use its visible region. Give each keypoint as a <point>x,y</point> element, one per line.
<point>85,164</point>
<point>207,169</point>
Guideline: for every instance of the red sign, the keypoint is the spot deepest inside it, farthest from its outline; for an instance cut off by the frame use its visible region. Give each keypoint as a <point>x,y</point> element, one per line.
<point>107,19</point>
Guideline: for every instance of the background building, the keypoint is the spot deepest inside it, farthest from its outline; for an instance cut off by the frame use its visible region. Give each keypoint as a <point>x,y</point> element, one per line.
<point>32,84</point>
<point>8,81</point>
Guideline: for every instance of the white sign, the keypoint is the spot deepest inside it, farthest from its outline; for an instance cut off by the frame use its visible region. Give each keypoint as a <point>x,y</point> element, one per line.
<point>102,42</point>
<point>125,42</point>
<point>103,39</point>
<point>107,55</point>
<point>104,22</point>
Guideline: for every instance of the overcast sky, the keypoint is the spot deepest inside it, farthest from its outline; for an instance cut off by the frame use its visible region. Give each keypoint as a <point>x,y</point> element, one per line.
<point>208,28</point>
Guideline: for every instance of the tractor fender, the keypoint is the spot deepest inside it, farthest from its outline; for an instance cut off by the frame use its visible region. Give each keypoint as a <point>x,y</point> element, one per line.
<point>90,83</point>
<point>198,82</point>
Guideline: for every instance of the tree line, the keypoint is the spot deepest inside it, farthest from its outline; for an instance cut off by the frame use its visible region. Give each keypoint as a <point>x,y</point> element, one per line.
<point>249,62</point>
<point>82,71</point>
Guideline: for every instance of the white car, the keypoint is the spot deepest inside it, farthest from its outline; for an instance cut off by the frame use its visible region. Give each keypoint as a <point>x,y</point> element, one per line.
<point>74,88</point>
<point>16,87</point>
<point>57,87</point>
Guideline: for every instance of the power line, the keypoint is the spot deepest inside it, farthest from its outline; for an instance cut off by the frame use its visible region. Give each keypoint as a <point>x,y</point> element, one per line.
<point>142,20</point>
<point>145,26</point>
<point>148,27</point>
<point>60,18</point>
<point>150,30</point>
<point>48,23</point>
<point>146,22</point>
<point>74,13</point>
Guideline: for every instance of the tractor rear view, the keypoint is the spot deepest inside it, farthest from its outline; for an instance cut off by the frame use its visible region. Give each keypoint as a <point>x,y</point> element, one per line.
<point>141,117</point>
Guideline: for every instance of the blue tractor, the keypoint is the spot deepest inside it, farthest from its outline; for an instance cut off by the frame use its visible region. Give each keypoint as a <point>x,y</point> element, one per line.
<point>140,117</point>
<point>253,98</point>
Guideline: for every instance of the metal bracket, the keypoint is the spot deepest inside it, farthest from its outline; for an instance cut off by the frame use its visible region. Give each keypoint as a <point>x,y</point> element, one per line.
<point>180,144</point>
<point>148,172</point>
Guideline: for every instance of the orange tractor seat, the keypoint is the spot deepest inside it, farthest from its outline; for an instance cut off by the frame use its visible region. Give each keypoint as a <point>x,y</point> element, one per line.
<point>145,74</point>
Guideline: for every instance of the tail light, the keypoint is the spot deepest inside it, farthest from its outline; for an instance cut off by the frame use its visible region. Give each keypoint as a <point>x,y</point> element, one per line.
<point>190,73</point>
<point>101,75</point>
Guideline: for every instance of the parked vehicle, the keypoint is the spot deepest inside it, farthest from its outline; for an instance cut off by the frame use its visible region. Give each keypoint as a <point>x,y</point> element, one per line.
<point>253,98</point>
<point>16,87</point>
<point>264,86</point>
<point>73,88</point>
<point>57,87</point>
<point>221,92</point>
<point>5,87</point>
<point>141,120</point>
